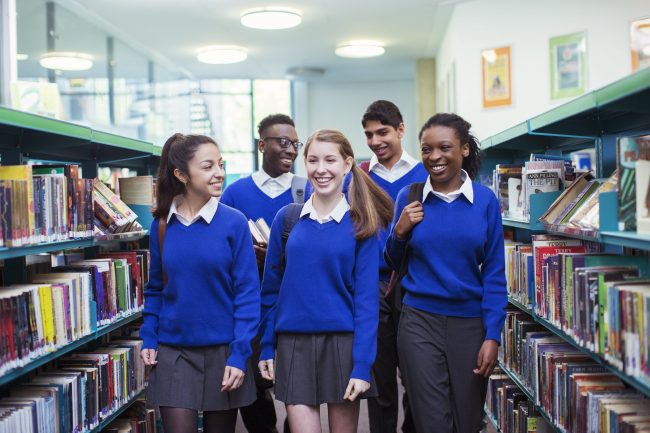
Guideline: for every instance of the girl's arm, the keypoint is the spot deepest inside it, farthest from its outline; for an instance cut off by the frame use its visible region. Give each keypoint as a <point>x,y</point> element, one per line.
<point>273,273</point>
<point>246,289</point>
<point>152,292</point>
<point>366,307</point>
<point>495,296</point>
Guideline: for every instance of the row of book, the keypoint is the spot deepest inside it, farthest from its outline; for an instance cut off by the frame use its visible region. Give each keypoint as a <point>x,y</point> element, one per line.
<point>50,203</point>
<point>509,406</point>
<point>138,418</point>
<point>69,302</point>
<point>600,300</point>
<point>77,392</point>
<point>515,183</point>
<point>578,394</point>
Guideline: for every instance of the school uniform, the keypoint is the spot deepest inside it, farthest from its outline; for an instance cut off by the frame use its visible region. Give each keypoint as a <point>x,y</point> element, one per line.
<point>260,196</point>
<point>455,300</point>
<point>383,410</point>
<point>320,314</point>
<point>206,315</point>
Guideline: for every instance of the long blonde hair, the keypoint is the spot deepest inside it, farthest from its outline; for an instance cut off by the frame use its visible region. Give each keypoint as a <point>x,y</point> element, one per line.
<point>370,207</point>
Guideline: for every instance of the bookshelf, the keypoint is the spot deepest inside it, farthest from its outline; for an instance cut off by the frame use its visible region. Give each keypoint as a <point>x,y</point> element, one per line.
<point>593,120</point>
<point>25,136</point>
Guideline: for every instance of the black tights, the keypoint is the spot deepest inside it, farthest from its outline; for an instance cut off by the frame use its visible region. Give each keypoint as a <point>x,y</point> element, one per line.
<point>181,420</point>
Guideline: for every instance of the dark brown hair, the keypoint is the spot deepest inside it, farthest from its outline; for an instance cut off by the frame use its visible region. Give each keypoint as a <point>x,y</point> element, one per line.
<point>178,150</point>
<point>370,207</point>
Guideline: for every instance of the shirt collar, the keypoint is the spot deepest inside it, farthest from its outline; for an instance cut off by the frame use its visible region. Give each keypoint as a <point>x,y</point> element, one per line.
<point>261,177</point>
<point>336,214</point>
<point>465,189</point>
<point>404,159</point>
<point>207,211</point>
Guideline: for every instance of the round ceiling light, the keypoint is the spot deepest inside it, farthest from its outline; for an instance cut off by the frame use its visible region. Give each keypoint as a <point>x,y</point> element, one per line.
<point>360,49</point>
<point>221,54</point>
<point>66,61</point>
<point>271,18</point>
<point>22,57</point>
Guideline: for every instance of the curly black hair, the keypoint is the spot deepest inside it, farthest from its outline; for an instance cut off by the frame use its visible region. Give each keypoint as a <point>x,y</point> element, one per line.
<point>273,119</point>
<point>471,163</point>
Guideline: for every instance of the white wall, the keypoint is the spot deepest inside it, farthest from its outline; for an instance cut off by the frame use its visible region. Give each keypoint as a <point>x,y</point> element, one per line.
<point>340,105</point>
<point>526,27</point>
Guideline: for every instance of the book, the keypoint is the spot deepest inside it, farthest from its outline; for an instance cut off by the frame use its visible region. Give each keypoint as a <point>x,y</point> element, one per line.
<point>629,151</point>
<point>643,197</point>
<point>25,194</point>
<point>137,190</point>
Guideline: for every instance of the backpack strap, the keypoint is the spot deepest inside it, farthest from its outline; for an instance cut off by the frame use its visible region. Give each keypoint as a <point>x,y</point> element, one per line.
<point>298,185</point>
<point>365,166</point>
<point>415,192</point>
<point>162,227</point>
<point>291,217</point>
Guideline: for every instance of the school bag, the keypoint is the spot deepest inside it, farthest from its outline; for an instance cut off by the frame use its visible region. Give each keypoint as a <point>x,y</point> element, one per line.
<point>400,270</point>
<point>298,186</point>
<point>291,217</point>
<point>162,226</point>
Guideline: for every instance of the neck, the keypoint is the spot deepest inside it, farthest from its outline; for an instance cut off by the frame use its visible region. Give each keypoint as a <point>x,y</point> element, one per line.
<point>270,170</point>
<point>451,185</point>
<point>192,204</point>
<point>324,204</point>
<point>392,161</point>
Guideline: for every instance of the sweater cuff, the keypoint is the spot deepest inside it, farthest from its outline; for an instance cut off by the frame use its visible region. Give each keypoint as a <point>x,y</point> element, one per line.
<point>361,371</point>
<point>237,360</point>
<point>149,339</point>
<point>268,352</point>
<point>493,334</point>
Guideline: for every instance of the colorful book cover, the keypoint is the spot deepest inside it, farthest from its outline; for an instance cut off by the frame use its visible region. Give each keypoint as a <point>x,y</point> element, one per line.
<point>24,173</point>
<point>629,151</point>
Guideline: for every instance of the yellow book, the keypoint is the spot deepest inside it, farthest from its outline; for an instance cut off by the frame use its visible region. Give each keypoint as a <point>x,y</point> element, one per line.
<point>23,172</point>
<point>45,295</point>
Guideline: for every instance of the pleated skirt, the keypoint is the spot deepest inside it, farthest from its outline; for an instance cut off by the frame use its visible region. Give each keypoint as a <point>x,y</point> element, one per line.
<point>313,369</point>
<point>190,377</point>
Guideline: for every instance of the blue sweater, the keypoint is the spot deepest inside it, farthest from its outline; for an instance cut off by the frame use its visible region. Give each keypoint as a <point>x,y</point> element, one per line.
<point>212,294</point>
<point>417,174</point>
<point>245,195</point>
<point>456,259</point>
<point>329,285</point>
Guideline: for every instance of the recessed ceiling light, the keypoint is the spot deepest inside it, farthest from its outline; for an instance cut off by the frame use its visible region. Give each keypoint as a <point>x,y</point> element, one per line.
<point>221,54</point>
<point>66,61</point>
<point>271,18</point>
<point>21,57</point>
<point>360,49</point>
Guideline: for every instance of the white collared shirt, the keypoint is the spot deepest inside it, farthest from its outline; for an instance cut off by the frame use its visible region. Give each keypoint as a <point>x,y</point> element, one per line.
<point>207,211</point>
<point>404,165</point>
<point>272,186</point>
<point>336,214</point>
<point>465,189</point>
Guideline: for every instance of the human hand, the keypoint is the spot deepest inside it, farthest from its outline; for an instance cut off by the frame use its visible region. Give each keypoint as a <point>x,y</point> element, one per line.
<point>487,358</point>
<point>149,356</point>
<point>232,378</point>
<point>260,254</point>
<point>356,387</point>
<point>412,214</point>
<point>266,369</point>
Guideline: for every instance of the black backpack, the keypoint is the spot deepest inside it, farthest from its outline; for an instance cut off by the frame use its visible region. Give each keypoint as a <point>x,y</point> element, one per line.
<point>400,270</point>
<point>291,217</point>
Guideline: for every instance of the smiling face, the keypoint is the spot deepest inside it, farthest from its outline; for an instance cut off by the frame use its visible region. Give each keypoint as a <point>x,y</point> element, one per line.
<point>326,167</point>
<point>442,156</point>
<point>277,160</point>
<point>205,172</point>
<point>385,141</point>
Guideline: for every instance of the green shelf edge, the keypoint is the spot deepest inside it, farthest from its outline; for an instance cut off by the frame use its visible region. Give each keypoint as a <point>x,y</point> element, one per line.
<point>627,86</point>
<point>12,375</point>
<point>576,106</point>
<point>515,378</point>
<point>493,420</point>
<point>123,142</point>
<point>112,417</point>
<point>518,130</point>
<point>626,239</point>
<point>8,253</point>
<point>26,120</point>
<point>519,305</point>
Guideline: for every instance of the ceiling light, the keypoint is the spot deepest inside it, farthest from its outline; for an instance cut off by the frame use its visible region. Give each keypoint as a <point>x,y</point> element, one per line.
<point>20,57</point>
<point>271,18</point>
<point>360,49</point>
<point>66,61</point>
<point>221,54</point>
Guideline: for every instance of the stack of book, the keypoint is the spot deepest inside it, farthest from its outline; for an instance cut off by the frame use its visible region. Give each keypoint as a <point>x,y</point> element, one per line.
<point>76,393</point>
<point>136,419</point>
<point>68,303</point>
<point>509,407</point>
<point>112,215</point>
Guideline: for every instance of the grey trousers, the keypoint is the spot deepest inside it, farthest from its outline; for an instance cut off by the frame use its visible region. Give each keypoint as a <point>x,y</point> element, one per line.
<point>437,356</point>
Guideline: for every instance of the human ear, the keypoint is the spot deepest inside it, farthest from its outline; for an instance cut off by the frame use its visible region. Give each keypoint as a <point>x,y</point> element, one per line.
<point>465,150</point>
<point>181,176</point>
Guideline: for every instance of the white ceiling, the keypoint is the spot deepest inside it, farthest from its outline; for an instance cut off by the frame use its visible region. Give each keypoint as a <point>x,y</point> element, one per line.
<point>171,31</point>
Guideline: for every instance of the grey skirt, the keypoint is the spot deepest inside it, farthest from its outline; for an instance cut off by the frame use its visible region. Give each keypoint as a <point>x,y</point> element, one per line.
<point>190,377</point>
<point>313,369</point>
